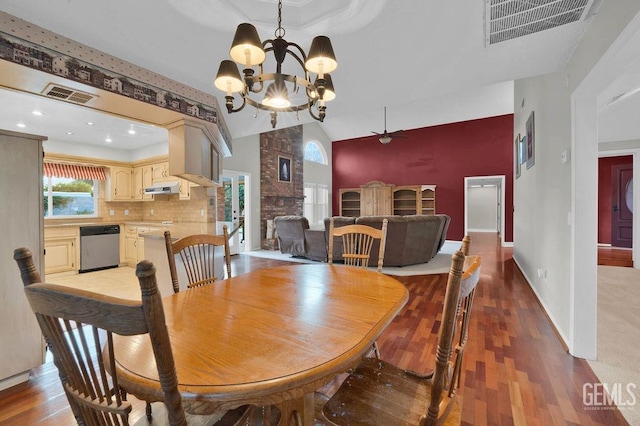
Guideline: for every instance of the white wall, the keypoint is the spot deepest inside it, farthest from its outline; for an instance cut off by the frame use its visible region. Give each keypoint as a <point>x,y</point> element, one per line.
<point>482,214</point>
<point>246,159</point>
<point>555,218</point>
<point>315,172</point>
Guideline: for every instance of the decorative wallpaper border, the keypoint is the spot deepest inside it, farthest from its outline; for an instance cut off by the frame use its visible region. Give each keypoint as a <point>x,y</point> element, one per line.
<point>60,56</point>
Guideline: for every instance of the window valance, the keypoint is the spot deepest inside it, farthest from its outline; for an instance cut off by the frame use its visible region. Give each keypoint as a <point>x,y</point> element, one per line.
<point>74,171</point>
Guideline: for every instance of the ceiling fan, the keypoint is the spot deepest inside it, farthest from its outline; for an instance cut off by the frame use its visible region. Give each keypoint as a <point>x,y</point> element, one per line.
<point>385,137</point>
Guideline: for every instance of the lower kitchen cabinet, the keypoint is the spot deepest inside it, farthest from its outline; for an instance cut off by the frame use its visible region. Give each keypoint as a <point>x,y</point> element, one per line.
<point>134,244</point>
<point>61,253</point>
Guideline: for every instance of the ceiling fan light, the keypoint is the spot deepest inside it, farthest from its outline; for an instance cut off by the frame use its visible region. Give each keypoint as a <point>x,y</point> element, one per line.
<point>246,48</point>
<point>321,58</point>
<point>385,140</point>
<point>228,78</point>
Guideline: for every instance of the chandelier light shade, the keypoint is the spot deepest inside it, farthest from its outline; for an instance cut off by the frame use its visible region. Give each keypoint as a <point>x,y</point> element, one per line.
<point>281,89</point>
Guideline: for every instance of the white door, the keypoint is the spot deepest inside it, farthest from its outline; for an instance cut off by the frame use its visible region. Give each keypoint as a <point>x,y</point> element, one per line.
<point>234,208</point>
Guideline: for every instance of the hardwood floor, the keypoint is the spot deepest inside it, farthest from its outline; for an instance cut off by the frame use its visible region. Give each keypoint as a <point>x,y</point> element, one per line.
<point>516,369</point>
<point>615,256</point>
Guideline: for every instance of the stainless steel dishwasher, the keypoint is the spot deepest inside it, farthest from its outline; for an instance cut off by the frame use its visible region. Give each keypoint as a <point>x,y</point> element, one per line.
<point>99,247</point>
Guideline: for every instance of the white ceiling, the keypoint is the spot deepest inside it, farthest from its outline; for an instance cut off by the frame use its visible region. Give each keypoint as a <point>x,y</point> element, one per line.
<point>425,60</point>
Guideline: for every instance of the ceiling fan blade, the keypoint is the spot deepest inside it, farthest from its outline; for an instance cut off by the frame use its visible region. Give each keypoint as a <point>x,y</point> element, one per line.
<point>376,133</point>
<point>397,134</point>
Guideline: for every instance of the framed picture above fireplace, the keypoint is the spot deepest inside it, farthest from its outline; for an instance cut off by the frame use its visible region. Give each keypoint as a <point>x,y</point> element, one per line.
<point>284,169</point>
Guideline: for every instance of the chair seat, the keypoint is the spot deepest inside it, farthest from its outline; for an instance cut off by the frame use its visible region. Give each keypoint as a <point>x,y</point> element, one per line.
<point>378,393</point>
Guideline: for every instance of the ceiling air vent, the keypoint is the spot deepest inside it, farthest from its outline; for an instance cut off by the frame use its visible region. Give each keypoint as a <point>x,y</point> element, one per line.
<point>509,19</point>
<point>66,94</point>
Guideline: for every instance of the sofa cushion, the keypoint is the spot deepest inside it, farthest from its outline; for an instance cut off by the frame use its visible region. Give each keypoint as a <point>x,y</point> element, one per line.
<point>315,245</point>
<point>290,231</point>
<point>411,239</point>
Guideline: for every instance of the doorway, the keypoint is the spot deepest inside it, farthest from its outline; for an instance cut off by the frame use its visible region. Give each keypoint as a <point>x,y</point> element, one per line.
<point>622,206</point>
<point>235,186</point>
<point>484,204</point>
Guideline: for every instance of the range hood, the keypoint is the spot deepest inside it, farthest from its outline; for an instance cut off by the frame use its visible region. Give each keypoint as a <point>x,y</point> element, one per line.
<point>163,188</point>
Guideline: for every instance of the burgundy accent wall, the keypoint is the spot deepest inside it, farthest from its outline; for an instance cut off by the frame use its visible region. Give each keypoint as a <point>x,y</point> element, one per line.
<point>440,155</point>
<point>604,194</point>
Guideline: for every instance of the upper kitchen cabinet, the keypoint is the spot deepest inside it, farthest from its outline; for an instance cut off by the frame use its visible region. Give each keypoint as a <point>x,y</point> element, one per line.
<point>160,173</point>
<point>119,186</point>
<point>194,151</point>
<point>142,177</point>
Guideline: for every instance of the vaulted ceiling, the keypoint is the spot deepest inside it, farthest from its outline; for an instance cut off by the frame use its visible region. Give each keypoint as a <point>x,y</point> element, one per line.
<point>429,62</point>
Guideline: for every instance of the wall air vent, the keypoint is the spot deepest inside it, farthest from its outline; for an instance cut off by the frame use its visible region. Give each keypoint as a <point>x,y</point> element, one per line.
<point>509,19</point>
<point>66,94</point>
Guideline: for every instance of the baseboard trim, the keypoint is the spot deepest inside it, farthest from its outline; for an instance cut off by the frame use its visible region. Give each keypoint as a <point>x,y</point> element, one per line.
<point>552,322</point>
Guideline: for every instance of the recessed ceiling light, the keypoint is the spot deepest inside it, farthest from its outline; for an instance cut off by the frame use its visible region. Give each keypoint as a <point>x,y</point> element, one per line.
<point>131,132</point>
<point>90,123</point>
<point>21,125</point>
<point>108,139</point>
<point>36,112</point>
<point>69,133</point>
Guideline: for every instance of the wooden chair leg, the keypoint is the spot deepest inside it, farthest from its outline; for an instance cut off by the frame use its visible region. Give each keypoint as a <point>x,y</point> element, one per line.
<point>147,411</point>
<point>375,350</point>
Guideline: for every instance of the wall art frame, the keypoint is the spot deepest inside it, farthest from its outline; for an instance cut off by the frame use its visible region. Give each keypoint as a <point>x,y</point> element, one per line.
<point>531,142</point>
<point>284,169</point>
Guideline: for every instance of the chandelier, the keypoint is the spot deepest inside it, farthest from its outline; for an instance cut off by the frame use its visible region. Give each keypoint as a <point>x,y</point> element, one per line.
<point>248,51</point>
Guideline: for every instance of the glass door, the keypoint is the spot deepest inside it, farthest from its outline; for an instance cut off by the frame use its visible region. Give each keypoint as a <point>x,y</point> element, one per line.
<point>234,209</point>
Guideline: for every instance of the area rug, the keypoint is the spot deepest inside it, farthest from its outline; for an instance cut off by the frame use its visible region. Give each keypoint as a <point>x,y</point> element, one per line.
<point>440,264</point>
<point>618,358</point>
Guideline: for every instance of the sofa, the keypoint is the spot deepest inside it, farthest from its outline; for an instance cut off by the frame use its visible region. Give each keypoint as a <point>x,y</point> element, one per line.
<point>411,239</point>
<point>290,232</point>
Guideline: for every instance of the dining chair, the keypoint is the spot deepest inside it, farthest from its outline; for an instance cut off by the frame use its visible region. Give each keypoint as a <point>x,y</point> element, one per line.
<point>78,326</point>
<point>197,255</point>
<point>466,245</point>
<point>198,263</point>
<point>377,392</point>
<point>357,241</point>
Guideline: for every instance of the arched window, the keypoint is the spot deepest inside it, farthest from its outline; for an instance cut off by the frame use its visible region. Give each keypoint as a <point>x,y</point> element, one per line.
<point>313,151</point>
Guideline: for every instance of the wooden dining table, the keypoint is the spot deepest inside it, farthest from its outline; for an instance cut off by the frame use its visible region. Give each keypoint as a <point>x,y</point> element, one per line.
<point>269,337</point>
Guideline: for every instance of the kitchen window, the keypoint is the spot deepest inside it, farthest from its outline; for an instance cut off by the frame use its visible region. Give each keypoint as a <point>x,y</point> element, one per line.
<point>71,190</point>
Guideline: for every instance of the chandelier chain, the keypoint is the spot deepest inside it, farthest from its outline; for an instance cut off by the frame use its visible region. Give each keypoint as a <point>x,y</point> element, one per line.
<point>280,32</point>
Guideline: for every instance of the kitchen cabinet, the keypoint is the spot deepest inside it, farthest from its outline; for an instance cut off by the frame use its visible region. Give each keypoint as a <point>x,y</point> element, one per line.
<point>134,243</point>
<point>119,184</point>
<point>185,189</point>
<point>194,151</point>
<point>375,199</point>
<point>60,246</point>
<point>142,177</point>
<point>22,217</point>
<point>160,173</point>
